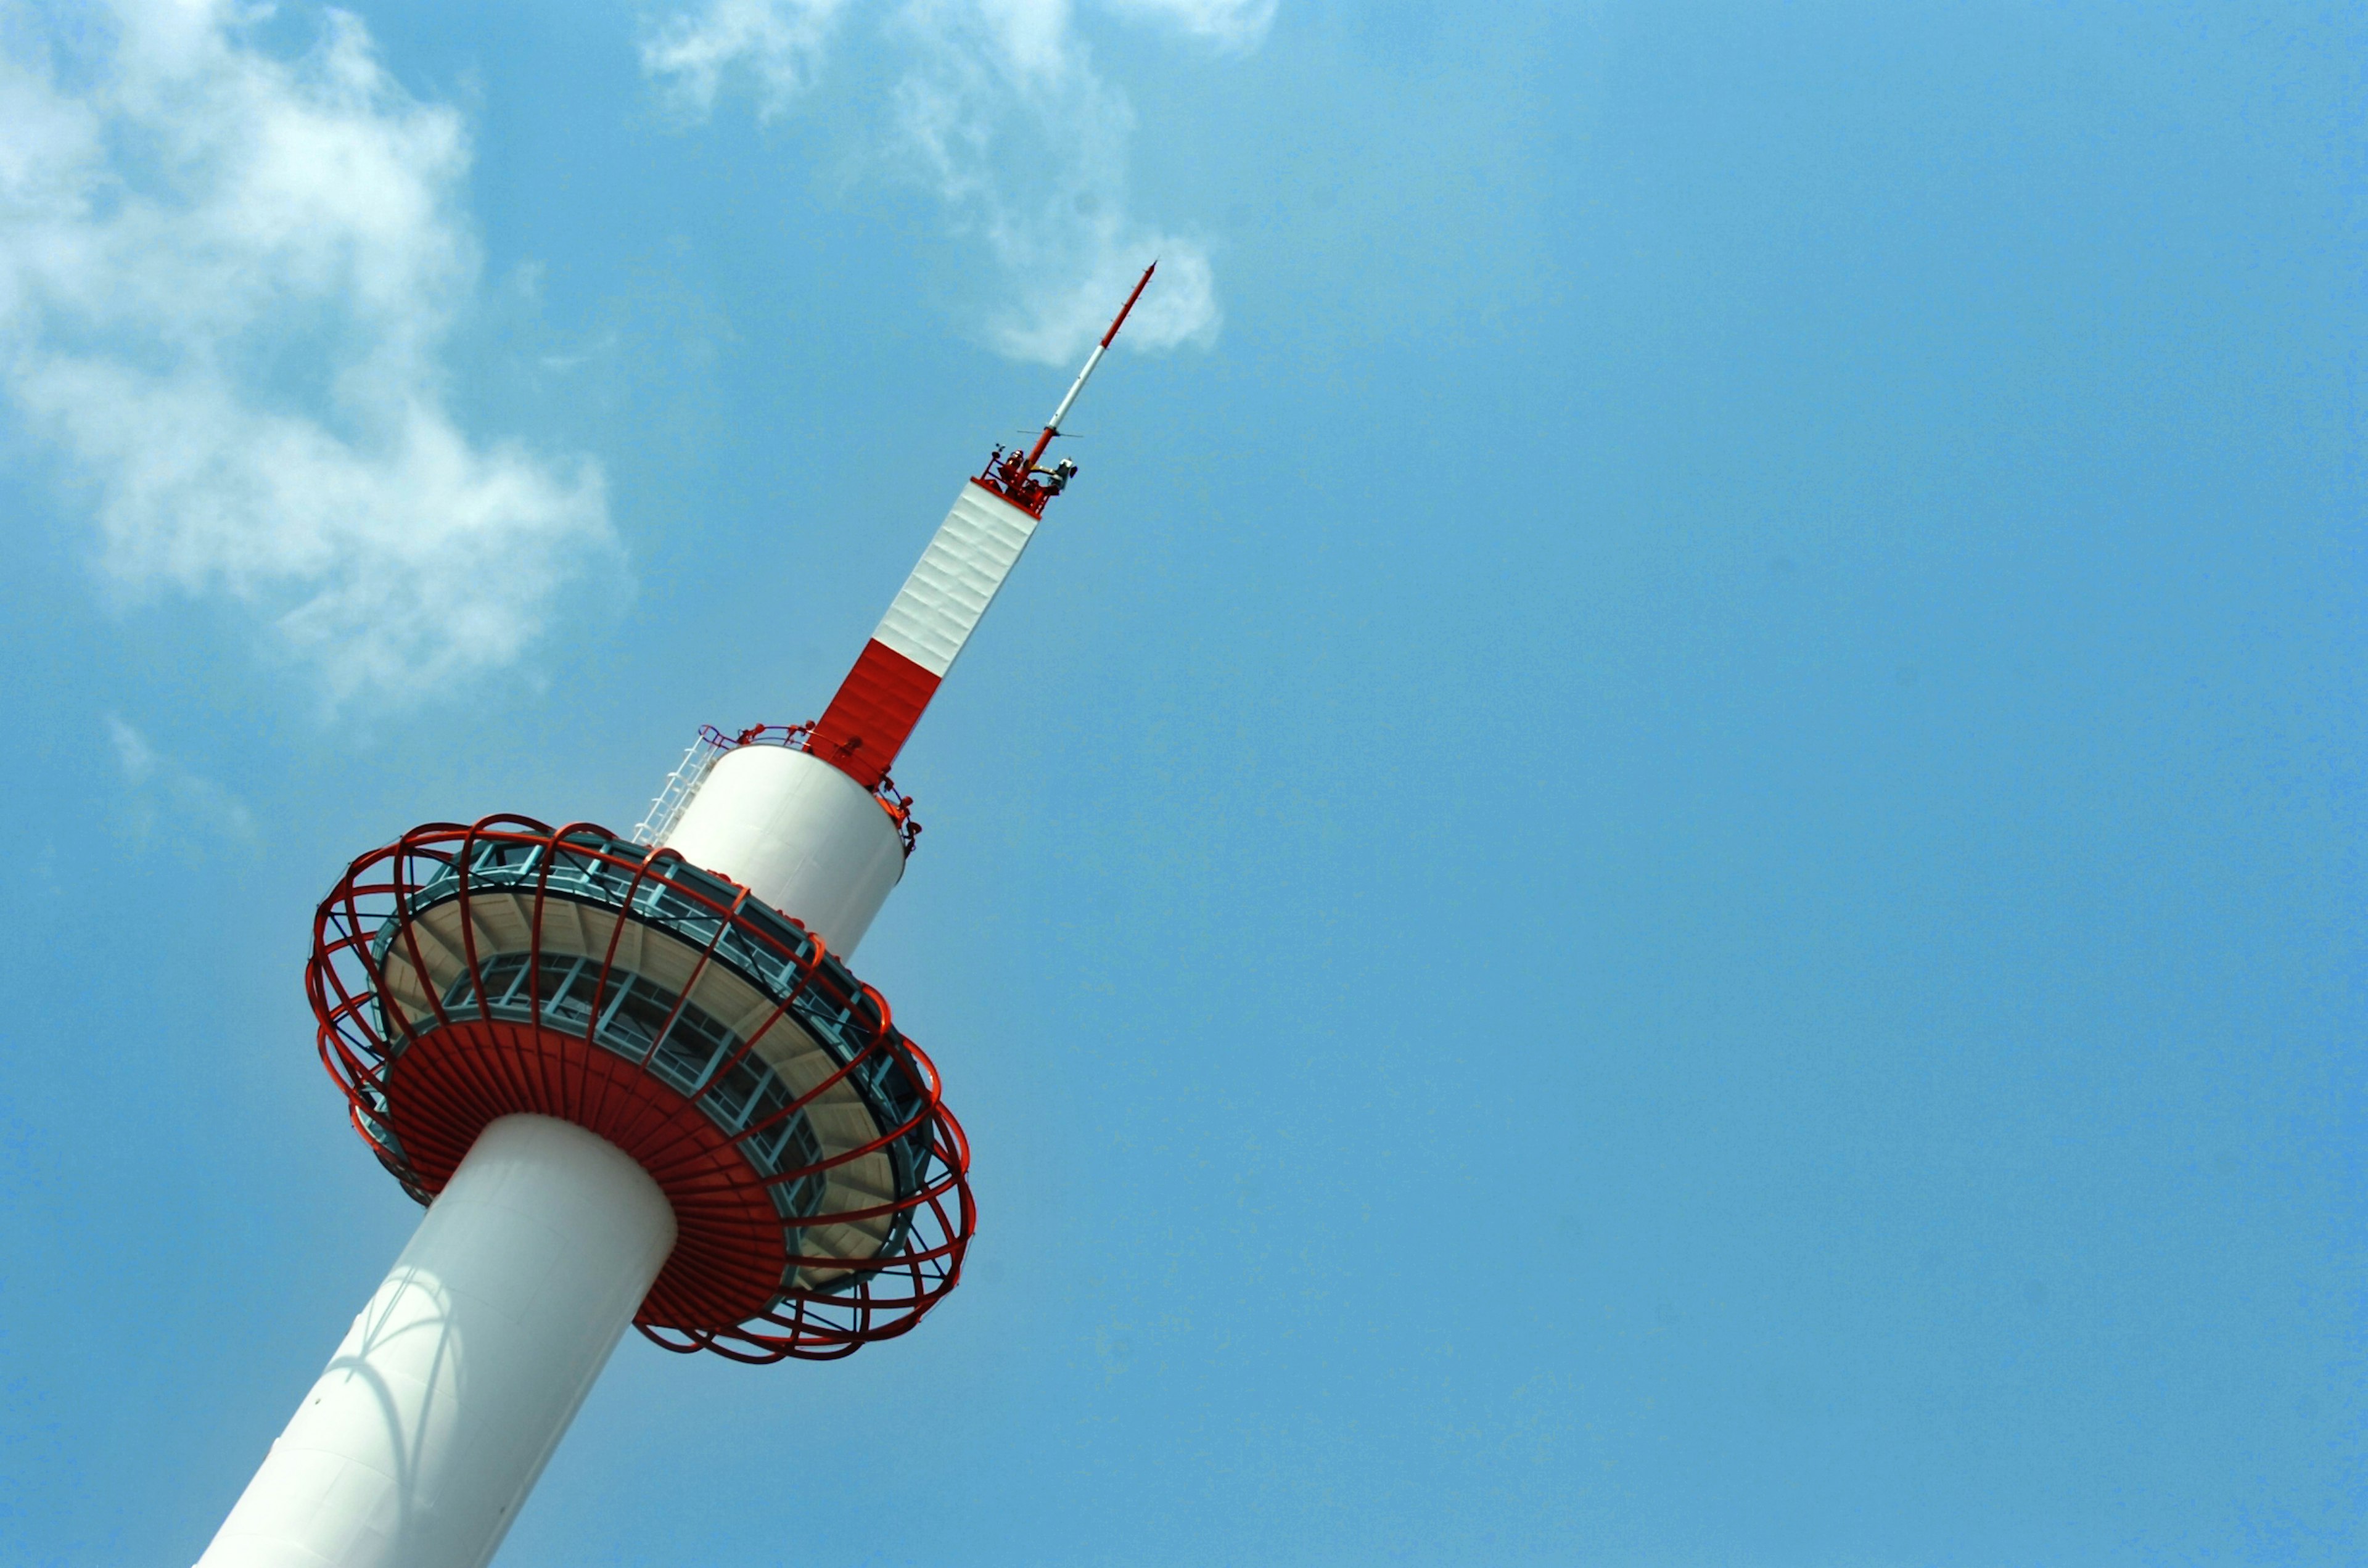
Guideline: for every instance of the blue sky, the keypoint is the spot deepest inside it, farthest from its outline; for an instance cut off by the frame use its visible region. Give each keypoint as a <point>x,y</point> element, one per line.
<point>1662,865</point>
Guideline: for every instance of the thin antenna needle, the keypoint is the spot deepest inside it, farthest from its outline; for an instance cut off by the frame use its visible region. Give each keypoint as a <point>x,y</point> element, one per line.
<point>1052,426</point>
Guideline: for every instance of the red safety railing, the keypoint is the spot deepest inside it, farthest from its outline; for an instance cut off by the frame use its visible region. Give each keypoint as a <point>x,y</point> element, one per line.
<point>1010,475</point>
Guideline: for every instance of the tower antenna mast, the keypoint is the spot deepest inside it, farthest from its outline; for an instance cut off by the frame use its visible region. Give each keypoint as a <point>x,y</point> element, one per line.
<point>1052,426</point>
<point>957,577</point>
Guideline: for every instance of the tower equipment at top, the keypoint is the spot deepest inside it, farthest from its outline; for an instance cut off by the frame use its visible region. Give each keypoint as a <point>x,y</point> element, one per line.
<point>924,631</point>
<point>636,1082</point>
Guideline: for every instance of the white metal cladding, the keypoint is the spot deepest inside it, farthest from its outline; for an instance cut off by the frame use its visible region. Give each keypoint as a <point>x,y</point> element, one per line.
<point>798,833</point>
<point>417,1444</point>
<point>956,579</point>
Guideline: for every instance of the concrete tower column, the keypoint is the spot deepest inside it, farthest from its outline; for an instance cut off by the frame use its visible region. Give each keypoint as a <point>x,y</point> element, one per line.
<point>798,833</point>
<point>417,1445</point>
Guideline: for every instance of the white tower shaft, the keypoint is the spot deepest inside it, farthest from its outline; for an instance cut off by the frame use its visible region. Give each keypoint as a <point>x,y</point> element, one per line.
<point>421,1439</point>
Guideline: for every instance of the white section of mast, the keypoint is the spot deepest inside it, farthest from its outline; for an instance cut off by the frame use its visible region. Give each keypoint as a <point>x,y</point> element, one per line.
<point>1076,387</point>
<point>420,1442</point>
<point>957,577</point>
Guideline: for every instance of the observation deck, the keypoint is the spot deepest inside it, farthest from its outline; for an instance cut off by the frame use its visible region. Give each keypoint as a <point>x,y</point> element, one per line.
<point>466,974</point>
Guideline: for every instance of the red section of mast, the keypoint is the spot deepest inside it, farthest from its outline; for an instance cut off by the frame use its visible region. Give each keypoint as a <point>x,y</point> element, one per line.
<point>1119,320</point>
<point>877,706</point>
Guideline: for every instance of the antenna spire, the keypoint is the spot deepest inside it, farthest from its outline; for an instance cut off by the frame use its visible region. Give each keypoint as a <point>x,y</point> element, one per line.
<point>958,576</point>
<point>1052,426</point>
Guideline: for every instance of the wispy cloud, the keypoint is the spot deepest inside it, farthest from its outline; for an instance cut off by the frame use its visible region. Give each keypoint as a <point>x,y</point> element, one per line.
<point>164,795</point>
<point>776,44</point>
<point>1229,24</point>
<point>225,278</point>
<point>998,109</point>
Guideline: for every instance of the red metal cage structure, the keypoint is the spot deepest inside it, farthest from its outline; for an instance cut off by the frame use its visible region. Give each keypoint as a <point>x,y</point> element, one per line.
<point>468,972</point>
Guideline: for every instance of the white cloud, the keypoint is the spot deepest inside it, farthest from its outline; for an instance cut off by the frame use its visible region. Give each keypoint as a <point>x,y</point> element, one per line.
<point>997,109</point>
<point>225,281</point>
<point>777,42</point>
<point>1230,24</point>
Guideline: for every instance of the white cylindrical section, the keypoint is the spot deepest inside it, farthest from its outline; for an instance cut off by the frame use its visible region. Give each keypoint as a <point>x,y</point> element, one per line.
<point>1077,386</point>
<point>798,833</point>
<point>969,559</point>
<point>420,1442</point>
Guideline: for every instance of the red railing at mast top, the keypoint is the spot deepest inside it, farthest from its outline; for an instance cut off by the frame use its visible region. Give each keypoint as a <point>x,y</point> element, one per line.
<point>1007,473</point>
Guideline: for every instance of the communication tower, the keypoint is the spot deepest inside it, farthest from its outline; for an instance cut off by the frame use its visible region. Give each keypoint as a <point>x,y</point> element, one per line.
<point>634,1082</point>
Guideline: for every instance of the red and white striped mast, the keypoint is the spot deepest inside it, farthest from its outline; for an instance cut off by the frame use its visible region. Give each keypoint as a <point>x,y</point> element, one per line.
<point>801,820</point>
<point>924,631</point>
